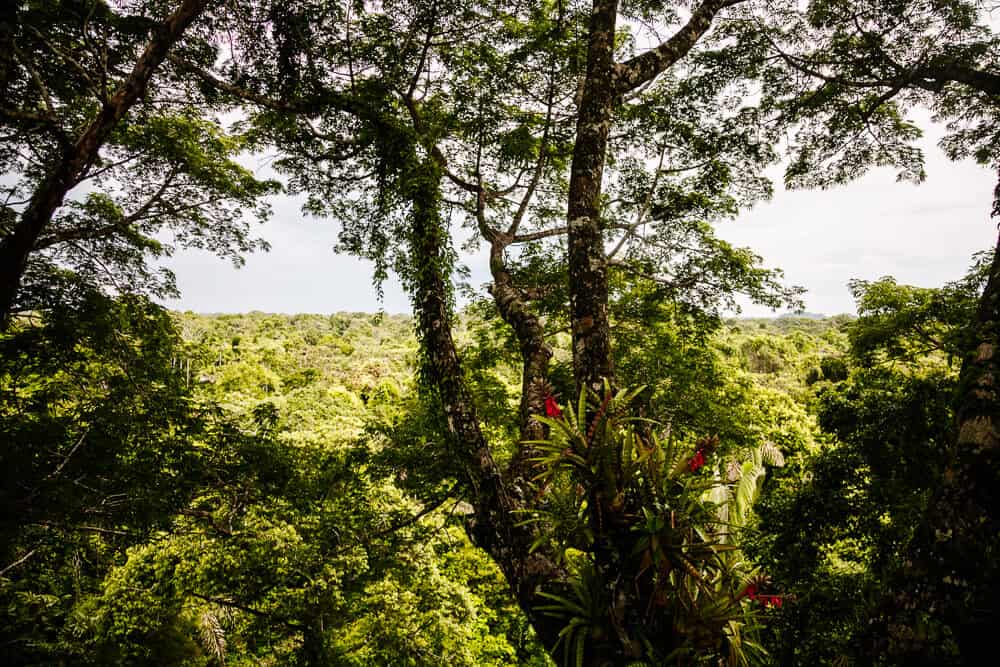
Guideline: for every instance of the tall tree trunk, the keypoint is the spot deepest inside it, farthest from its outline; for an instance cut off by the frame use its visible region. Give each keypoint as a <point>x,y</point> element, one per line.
<point>951,573</point>
<point>603,85</point>
<point>966,511</point>
<point>494,526</point>
<point>588,290</point>
<point>588,270</point>
<point>978,400</point>
<point>78,158</point>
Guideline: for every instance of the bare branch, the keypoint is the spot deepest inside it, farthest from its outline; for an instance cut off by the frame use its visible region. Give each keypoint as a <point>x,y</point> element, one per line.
<point>314,107</point>
<point>109,167</point>
<point>545,233</point>
<point>84,529</point>
<point>644,212</point>
<point>423,53</point>
<point>20,560</point>
<point>419,515</point>
<point>80,69</point>
<point>140,212</point>
<point>55,473</point>
<point>540,164</point>
<point>36,78</point>
<point>250,610</point>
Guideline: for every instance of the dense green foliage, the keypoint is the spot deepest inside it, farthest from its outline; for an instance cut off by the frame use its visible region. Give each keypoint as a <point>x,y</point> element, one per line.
<point>265,488</point>
<point>479,487</point>
<point>243,498</point>
<point>262,487</point>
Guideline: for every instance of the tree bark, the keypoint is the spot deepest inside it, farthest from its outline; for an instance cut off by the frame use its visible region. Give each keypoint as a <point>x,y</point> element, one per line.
<point>78,158</point>
<point>588,270</point>
<point>605,82</point>
<point>588,290</point>
<point>951,572</point>
<point>642,68</point>
<point>935,75</point>
<point>535,355</point>
<point>978,405</point>
<point>966,511</point>
<point>493,527</point>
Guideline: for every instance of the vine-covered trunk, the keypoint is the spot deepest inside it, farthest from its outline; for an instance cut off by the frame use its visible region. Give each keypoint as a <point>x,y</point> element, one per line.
<point>77,158</point>
<point>494,526</point>
<point>588,270</point>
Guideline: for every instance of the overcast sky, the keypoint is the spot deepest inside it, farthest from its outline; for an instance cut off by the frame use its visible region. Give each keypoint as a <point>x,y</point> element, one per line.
<point>923,235</point>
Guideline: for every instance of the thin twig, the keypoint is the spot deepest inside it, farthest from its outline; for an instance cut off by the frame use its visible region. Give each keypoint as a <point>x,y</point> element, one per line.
<point>18,561</point>
<point>55,473</point>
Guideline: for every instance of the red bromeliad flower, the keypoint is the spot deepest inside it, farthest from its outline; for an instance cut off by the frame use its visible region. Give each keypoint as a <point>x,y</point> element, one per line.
<point>703,448</point>
<point>696,461</point>
<point>769,600</point>
<point>765,600</point>
<point>551,407</point>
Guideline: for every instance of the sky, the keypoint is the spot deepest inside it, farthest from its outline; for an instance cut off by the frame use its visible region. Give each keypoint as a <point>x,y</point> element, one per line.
<point>921,234</point>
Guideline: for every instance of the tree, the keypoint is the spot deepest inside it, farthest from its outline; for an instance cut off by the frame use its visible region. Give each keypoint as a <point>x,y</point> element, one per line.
<point>90,104</point>
<point>537,127</point>
<point>471,109</point>
<point>839,519</point>
<point>851,70</point>
<point>97,426</point>
<point>861,65</point>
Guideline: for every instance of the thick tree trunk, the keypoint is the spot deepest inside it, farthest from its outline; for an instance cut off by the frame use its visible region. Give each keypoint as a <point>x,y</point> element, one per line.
<point>494,496</point>
<point>588,290</point>
<point>63,176</point>
<point>978,401</point>
<point>442,368</point>
<point>966,511</point>
<point>951,574</point>
<point>588,270</point>
<point>604,83</point>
